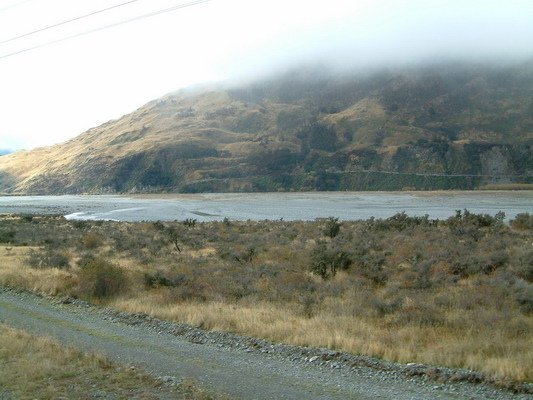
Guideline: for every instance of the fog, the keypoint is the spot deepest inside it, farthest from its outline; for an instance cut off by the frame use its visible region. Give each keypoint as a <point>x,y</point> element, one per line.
<point>401,33</point>
<point>55,92</point>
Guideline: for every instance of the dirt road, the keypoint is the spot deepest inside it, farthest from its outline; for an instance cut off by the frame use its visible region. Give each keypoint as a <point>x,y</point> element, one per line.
<point>239,373</point>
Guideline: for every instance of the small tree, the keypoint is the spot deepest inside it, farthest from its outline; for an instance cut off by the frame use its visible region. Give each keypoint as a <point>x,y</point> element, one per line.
<point>174,238</point>
<point>332,227</point>
<point>326,261</point>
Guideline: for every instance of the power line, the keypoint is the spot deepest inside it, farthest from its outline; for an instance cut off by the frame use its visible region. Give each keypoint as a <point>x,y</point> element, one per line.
<point>126,21</point>
<point>15,5</point>
<point>67,21</point>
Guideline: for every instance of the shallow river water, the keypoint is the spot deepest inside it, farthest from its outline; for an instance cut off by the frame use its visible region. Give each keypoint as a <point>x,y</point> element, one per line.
<point>272,206</point>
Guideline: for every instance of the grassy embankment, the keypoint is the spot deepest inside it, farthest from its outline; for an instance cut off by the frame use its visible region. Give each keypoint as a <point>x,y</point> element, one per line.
<point>32,367</point>
<point>455,292</point>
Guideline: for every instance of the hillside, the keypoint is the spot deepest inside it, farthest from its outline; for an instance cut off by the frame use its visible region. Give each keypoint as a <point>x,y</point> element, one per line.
<point>309,129</point>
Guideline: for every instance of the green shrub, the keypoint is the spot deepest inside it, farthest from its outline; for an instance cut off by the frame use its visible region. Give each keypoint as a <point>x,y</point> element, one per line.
<point>101,279</point>
<point>467,223</point>
<point>7,236</point>
<point>85,260</point>
<point>48,258</point>
<point>523,222</point>
<point>399,222</point>
<point>332,228</point>
<point>326,261</point>
<point>159,279</point>
<point>26,217</point>
<point>372,268</point>
<point>158,225</point>
<point>92,240</point>
<point>190,222</point>
<point>80,224</point>
<point>523,295</point>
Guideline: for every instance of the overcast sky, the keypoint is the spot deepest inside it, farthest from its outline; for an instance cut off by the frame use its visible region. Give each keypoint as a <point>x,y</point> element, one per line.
<point>56,92</point>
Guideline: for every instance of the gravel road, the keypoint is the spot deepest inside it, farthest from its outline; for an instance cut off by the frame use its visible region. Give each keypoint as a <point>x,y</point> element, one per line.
<point>240,367</point>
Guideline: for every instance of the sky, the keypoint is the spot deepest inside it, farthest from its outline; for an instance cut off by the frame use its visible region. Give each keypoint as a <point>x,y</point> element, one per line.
<point>57,91</point>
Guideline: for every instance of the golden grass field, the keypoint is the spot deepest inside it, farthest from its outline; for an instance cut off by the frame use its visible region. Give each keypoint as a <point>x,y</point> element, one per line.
<point>40,368</point>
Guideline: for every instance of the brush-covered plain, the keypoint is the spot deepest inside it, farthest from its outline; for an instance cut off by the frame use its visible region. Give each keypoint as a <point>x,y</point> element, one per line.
<point>455,292</point>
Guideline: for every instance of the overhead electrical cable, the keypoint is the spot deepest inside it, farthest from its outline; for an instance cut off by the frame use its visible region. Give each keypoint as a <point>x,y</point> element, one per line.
<point>67,21</point>
<point>126,21</point>
<point>14,5</point>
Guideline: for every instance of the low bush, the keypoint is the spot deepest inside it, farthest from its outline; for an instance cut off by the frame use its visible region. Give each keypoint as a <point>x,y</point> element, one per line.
<point>326,261</point>
<point>101,279</point>
<point>523,222</point>
<point>465,223</point>
<point>7,236</point>
<point>48,258</point>
<point>92,240</point>
<point>159,279</point>
<point>332,228</point>
<point>190,222</point>
<point>26,217</point>
<point>399,222</point>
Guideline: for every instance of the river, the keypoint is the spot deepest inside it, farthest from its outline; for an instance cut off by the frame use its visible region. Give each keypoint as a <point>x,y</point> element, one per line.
<point>272,206</point>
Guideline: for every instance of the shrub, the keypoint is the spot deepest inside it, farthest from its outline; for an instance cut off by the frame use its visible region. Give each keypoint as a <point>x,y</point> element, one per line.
<point>382,307</point>
<point>326,261</point>
<point>523,294</point>
<point>332,228</point>
<point>80,224</point>
<point>159,279</point>
<point>101,279</point>
<point>26,217</point>
<point>524,267</point>
<point>246,256</point>
<point>85,260</point>
<point>173,237</point>
<point>7,236</point>
<point>523,222</point>
<point>91,240</point>
<point>372,268</point>
<point>158,225</point>
<point>469,224</point>
<point>190,222</point>
<point>48,258</point>
<point>399,222</point>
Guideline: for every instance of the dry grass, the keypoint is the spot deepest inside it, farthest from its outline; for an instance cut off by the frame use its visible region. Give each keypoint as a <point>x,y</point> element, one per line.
<point>501,355</point>
<point>33,367</point>
<point>455,293</point>
<point>15,272</point>
<point>508,186</point>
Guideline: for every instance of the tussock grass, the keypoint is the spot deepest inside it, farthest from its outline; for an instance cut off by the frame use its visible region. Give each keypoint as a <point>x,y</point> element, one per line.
<point>457,293</point>
<point>15,272</point>
<point>499,352</point>
<point>34,367</point>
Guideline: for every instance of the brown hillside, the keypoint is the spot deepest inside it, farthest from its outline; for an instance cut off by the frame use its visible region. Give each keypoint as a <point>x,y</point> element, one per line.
<point>310,130</point>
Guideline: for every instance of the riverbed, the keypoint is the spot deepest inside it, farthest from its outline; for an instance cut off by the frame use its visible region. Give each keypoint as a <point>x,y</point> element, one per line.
<point>271,206</point>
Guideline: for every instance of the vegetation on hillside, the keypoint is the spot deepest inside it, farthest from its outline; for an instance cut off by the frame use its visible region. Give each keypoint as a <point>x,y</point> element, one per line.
<point>455,292</point>
<point>427,127</point>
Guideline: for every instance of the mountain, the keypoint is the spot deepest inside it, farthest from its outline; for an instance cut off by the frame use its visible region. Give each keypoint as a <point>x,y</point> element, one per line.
<point>427,127</point>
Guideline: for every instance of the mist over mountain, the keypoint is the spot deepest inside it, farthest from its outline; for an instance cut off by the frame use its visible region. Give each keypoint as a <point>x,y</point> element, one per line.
<point>432,126</point>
